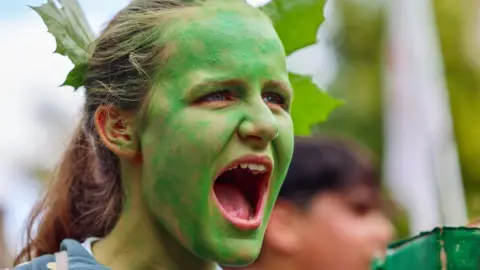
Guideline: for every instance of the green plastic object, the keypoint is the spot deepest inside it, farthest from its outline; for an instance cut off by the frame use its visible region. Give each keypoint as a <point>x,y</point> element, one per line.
<point>444,248</point>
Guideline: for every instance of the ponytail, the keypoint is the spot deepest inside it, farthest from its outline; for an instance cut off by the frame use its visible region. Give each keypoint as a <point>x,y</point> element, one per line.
<point>84,199</point>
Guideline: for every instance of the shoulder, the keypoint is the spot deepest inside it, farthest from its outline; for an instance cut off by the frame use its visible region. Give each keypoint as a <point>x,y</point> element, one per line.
<point>78,258</point>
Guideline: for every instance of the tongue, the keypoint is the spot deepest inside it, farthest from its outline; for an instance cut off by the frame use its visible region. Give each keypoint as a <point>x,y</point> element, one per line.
<point>233,201</point>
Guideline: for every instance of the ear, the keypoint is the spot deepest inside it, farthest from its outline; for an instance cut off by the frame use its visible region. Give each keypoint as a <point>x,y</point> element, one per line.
<point>116,130</point>
<point>284,228</point>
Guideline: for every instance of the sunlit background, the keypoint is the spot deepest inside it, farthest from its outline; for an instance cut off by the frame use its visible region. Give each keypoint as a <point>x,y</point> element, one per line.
<point>408,76</point>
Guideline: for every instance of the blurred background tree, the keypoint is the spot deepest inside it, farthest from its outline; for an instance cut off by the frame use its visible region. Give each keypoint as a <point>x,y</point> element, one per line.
<point>459,34</point>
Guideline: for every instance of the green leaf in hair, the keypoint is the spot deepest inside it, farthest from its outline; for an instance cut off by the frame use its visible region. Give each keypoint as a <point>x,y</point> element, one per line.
<point>76,76</point>
<point>296,21</point>
<point>310,105</point>
<point>66,22</point>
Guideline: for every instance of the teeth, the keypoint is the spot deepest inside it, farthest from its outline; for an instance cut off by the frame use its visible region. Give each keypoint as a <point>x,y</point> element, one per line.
<point>255,168</point>
<point>261,167</point>
<point>234,167</point>
<point>252,167</point>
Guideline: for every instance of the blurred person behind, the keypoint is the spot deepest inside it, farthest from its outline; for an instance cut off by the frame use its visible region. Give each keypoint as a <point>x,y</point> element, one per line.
<point>328,214</point>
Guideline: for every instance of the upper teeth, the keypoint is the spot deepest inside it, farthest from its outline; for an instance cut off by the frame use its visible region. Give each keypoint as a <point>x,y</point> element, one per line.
<point>252,167</point>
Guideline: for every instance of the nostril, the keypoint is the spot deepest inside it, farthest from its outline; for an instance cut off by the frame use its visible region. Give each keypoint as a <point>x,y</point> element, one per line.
<point>255,142</point>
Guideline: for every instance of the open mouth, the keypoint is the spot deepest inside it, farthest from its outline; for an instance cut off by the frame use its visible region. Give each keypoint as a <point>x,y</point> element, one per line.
<point>241,191</point>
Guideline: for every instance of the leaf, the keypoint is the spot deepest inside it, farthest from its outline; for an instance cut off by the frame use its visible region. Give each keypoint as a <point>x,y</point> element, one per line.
<point>296,21</point>
<point>310,105</point>
<point>67,23</point>
<point>76,76</point>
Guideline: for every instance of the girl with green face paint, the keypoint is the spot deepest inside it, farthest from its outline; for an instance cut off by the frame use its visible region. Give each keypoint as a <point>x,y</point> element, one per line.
<point>185,142</point>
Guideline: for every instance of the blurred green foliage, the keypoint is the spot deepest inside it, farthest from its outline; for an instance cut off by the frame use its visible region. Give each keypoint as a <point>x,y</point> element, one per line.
<point>360,47</point>
<point>457,23</point>
<point>359,44</point>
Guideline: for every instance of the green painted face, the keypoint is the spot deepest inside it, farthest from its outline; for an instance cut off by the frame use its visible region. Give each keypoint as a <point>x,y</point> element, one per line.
<point>224,95</point>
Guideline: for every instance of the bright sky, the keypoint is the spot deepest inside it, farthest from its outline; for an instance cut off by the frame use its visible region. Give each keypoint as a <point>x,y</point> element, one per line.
<point>30,75</point>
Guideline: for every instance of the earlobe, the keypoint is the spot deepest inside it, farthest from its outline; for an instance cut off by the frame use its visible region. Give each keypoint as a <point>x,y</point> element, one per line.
<point>116,130</point>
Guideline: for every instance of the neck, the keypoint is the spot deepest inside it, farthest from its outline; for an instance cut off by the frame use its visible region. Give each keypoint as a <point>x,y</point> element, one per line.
<point>137,242</point>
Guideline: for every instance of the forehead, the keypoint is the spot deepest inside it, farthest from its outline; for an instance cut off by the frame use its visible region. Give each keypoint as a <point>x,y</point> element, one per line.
<point>223,37</point>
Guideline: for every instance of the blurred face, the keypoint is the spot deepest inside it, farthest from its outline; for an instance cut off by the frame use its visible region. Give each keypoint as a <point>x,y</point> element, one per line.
<point>219,136</point>
<point>343,231</point>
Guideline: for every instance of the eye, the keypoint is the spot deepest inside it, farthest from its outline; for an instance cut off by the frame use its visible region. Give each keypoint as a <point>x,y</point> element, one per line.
<point>224,95</point>
<point>274,98</point>
<point>362,208</point>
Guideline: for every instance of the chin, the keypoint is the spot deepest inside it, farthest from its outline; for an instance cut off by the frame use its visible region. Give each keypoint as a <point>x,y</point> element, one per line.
<point>231,251</point>
<point>240,253</point>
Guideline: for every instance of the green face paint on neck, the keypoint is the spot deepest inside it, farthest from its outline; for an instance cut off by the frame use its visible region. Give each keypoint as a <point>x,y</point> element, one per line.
<point>224,94</point>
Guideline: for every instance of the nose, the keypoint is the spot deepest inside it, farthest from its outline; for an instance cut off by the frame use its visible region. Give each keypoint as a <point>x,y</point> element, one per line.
<point>259,125</point>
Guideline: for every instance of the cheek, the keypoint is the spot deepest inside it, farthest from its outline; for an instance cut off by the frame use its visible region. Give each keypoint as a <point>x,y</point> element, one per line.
<point>349,230</point>
<point>334,243</point>
<point>190,139</point>
<point>285,125</point>
<point>285,136</point>
<point>340,231</point>
<point>283,146</point>
<point>334,222</point>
